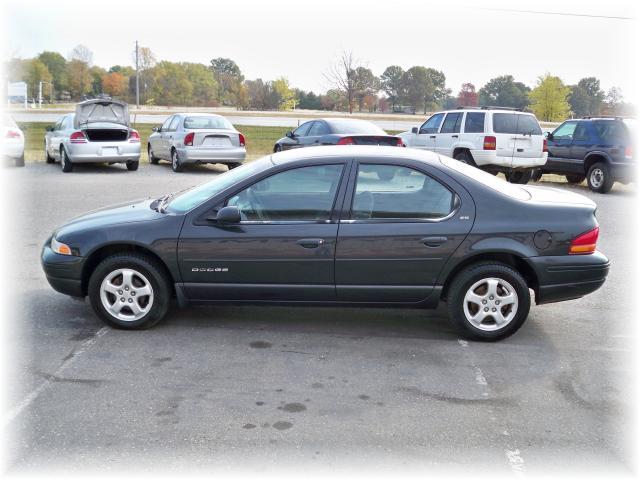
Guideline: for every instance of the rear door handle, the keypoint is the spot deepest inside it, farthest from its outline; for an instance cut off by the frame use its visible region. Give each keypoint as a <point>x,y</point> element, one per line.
<point>432,136</point>
<point>433,241</point>
<point>310,242</point>
<point>454,136</point>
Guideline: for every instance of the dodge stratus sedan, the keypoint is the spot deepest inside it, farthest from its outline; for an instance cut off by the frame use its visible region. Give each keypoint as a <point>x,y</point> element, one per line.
<point>350,225</point>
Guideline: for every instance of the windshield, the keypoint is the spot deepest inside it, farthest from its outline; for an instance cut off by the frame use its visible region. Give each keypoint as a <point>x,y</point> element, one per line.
<point>207,122</point>
<point>355,126</point>
<point>486,179</point>
<point>189,199</point>
<point>520,124</point>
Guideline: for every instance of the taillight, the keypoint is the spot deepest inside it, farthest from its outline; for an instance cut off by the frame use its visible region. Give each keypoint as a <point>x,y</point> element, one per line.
<point>400,143</point>
<point>13,134</point>
<point>545,146</point>
<point>242,141</point>
<point>628,152</point>
<point>345,141</point>
<point>585,243</point>
<point>489,143</point>
<point>78,137</point>
<point>188,139</point>
<point>134,137</point>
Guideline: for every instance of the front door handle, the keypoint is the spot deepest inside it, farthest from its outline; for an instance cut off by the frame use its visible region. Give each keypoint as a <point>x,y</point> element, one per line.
<point>432,136</point>
<point>454,136</point>
<point>433,241</point>
<point>310,242</point>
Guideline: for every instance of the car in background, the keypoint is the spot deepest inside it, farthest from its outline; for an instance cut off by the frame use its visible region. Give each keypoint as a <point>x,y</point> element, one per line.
<point>98,132</point>
<point>598,149</point>
<point>186,138</point>
<point>354,225</point>
<point>336,131</point>
<point>492,138</point>
<point>12,143</point>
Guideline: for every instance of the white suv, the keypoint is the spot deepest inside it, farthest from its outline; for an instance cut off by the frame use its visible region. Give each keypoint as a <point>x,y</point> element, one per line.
<point>494,139</point>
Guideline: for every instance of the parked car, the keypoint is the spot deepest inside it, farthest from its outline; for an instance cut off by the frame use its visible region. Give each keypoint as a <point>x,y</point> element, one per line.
<point>12,143</point>
<point>331,226</point>
<point>98,132</point>
<point>336,131</point>
<point>196,138</point>
<point>600,149</point>
<point>493,139</point>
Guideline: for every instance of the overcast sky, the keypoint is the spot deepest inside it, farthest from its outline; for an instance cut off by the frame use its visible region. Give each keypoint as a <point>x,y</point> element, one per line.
<point>469,41</point>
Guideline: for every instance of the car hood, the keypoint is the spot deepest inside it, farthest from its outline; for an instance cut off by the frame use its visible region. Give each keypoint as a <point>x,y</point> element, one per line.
<point>137,211</point>
<point>555,195</point>
<point>101,111</point>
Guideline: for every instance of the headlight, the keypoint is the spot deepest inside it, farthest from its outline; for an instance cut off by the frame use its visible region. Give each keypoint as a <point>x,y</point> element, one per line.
<point>59,247</point>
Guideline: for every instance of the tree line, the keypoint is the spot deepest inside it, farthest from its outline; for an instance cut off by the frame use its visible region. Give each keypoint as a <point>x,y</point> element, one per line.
<point>352,87</point>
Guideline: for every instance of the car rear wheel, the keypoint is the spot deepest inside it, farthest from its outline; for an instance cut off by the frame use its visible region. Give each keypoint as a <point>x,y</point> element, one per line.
<point>520,177</point>
<point>176,166</point>
<point>129,291</point>
<point>231,166</point>
<point>536,175</point>
<point>465,157</point>
<point>48,157</point>
<point>575,179</point>
<point>599,178</point>
<point>488,301</point>
<point>65,162</point>
<point>133,166</point>
<point>152,158</point>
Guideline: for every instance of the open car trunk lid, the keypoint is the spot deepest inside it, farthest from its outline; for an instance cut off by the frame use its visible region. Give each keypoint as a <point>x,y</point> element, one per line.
<point>100,110</point>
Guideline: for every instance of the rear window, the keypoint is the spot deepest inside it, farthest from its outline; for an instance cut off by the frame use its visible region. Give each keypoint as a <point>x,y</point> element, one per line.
<point>520,124</point>
<point>355,126</point>
<point>194,123</point>
<point>491,181</point>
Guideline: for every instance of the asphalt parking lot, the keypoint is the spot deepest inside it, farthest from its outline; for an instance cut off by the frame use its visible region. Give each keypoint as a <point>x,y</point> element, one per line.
<point>264,389</point>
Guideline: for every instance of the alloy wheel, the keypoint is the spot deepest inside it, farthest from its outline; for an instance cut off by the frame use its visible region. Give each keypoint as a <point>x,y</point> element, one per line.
<point>597,177</point>
<point>490,304</point>
<point>126,294</point>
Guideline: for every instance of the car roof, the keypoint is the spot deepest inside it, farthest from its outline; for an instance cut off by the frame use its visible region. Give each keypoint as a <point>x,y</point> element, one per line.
<point>482,110</point>
<point>359,152</point>
<point>197,114</point>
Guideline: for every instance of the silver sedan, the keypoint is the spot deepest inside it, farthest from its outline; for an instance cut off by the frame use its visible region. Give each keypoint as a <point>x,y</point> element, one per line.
<point>196,138</point>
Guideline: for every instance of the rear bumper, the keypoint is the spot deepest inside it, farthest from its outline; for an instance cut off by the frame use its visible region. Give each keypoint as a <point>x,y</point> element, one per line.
<point>63,272</point>
<point>212,155</point>
<point>11,149</point>
<point>566,277</point>
<point>98,152</point>
<point>624,172</point>
<point>489,157</point>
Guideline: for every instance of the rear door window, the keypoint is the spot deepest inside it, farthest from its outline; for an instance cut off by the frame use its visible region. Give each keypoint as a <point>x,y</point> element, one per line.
<point>515,123</point>
<point>167,122</point>
<point>452,123</point>
<point>173,126</point>
<point>581,133</point>
<point>474,122</point>
<point>317,129</point>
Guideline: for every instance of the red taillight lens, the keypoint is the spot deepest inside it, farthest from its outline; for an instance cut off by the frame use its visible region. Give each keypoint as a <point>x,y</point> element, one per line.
<point>628,152</point>
<point>345,141</point>
<point>134,136</point>
<point>400,143</point>
<point>13,134</point>
<point>545,146</point>
<point>78,137</point>
<point>585,243</point>
<point>489,143</point>
<point>188,139</point>
<point>242,141</point>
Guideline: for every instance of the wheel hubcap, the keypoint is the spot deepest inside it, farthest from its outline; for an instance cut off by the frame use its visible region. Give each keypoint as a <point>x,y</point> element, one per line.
<point>174,158</point>
<point>597,177</point>
<point>490,304</point>
<point>126,294</point>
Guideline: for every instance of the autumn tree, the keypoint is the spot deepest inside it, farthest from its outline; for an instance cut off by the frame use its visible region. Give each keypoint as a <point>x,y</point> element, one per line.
<point>78,74</point>
<point>286,96</point>
<point>467,97</point>
<point>549,99</point>
<point>34,72</point>
<point>115,84</point>
<point>205,86</point>
<point>366,85</point>
<point>57,66</point>
<point>342,77</point>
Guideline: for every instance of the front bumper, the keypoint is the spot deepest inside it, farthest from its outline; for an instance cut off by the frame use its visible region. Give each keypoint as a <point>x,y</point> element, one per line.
<point>212,155</point>
<point>566,277</point>
<point>63,272</point>
<point>99,152</point>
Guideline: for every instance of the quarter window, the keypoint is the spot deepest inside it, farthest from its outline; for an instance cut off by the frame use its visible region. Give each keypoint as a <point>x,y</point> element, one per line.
<point>165,125</point>
<point>394,192</point>
<point>433,124</point>
<point>452,123</point>
<point>300,194</point>
<point>474,122</point>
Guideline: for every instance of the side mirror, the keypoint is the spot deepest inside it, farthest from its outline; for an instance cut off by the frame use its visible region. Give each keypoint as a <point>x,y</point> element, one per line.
<point>290,134</point>
<point>49,128</point>
<point>228,215</point>
<point>155,129</point>
<point>414,130</point>
<point>548,135</point>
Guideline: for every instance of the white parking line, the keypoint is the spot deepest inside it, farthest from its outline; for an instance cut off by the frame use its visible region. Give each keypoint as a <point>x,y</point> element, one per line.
<point>29,399</point>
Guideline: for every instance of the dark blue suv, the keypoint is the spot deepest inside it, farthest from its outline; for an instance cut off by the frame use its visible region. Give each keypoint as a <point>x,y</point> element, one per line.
<point>599,149</point>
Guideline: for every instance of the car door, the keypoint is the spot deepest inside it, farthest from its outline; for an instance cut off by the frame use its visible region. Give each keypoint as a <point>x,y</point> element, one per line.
<point>425,138</point>
<point>299,135</point>
<point>399,226</point>
<point>449,133</point>
<point>559,146</point>
<point>53,140</point>
<point>170,135</point>
<point>584,140</point>
<point>284,246</point>
<point>162,140</point>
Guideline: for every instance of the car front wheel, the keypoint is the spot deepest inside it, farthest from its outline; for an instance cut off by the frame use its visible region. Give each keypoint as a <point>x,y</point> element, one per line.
<point>599,178</point>
<point>129,291</point>
<point>65,163</point>
<point>488,301</point>
<point>176,166</point>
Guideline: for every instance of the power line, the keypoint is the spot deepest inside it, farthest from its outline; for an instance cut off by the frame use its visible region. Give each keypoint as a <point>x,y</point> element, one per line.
<point>563,14</point>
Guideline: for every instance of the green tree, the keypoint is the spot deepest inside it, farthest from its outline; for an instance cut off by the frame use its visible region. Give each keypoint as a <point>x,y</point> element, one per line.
<point>440,91</point>
<point>97,73</point>
<point>286,96</point>
<point>586,97</point>
<point>205,87</point>
<point>504,91</point>
<point>229,78</point>
<point>171,86</point>
<point>418,88</point>
<point>57,66</point>
<point>391,83</point>
<point>35,72</point>
<point>549,99</point>
<point>366,84</point>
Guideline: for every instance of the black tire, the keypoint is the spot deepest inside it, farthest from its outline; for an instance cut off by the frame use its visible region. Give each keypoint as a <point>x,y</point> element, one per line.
<point>176,166</point>
<point>575,179</point>
<point>231,166</point>
<point>152,158</point>
<point>536,175</point>
<point>520,177</point>
<point>133,166</point>
<point>472,274</point>
<point>19,162</point>
<point>153,272</point>
<point>277,148</point>
<point>465,157</point>
<point>599,178</point>
<point>48,158</point>
<point>65,162</point>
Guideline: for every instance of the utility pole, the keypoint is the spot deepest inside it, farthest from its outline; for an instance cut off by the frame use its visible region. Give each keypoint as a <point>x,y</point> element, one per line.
<point>40,95</point>
<point>137,80</point>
